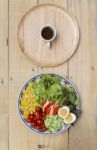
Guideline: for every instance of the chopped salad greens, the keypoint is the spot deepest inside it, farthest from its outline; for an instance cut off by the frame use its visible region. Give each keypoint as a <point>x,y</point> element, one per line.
<point>42,99</point>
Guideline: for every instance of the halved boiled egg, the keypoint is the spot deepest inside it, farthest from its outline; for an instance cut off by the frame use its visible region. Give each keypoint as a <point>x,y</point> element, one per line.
<point>63,112</point>
<point>70,118</point>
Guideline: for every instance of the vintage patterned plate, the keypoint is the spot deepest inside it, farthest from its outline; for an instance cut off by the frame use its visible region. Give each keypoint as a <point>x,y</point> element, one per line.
<point>68,82</point>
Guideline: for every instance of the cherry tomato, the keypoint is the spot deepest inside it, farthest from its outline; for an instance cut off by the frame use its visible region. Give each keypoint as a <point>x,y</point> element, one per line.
<point>44,128</point>
<point>31,117</point>
<point>39,122</point>
<point>43,118</point>
<point>42,114</point>
<point>39,128</point>
<point>37,114</point>
<point>28,120</point>
<point>33,124</point>
<point>38,109</point>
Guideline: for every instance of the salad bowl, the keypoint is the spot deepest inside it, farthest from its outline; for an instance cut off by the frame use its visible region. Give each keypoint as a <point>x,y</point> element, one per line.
<point>41,100</point>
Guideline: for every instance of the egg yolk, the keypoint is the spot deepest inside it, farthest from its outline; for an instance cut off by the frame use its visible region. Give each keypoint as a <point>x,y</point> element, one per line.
<point>69,118</point>
<point>63,112</point>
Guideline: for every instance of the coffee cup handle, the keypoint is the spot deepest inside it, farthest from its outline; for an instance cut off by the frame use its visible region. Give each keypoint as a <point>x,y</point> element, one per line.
<point>49,44</point>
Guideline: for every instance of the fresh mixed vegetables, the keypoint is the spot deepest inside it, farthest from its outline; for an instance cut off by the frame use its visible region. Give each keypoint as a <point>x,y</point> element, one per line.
<point>48,103</point>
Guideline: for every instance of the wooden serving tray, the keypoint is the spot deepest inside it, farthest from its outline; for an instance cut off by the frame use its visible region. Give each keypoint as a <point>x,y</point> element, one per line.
<point>35,48</point>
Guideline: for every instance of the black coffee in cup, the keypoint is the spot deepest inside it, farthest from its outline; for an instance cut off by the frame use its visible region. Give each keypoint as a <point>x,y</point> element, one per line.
<point>47,33</point>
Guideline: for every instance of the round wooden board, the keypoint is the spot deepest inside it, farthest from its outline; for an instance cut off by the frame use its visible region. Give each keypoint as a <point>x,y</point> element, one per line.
<point>30,40</point>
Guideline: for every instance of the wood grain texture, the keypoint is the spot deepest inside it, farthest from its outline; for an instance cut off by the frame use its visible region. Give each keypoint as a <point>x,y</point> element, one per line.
<point>3,75</point>
<point>62,47</point>
<point>59,142</point>
<point>20,70</point>
<point>61,69</point>
<point>83,71</point>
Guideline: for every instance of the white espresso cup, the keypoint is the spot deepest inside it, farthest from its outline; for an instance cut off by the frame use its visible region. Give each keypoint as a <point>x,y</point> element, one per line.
<point>48,34</point>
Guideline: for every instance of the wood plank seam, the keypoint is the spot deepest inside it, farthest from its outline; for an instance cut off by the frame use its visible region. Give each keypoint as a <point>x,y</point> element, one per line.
<point>8,72</point>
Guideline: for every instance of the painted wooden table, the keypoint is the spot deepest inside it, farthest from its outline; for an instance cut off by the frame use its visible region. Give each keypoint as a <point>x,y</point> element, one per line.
<point>15,69</point>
